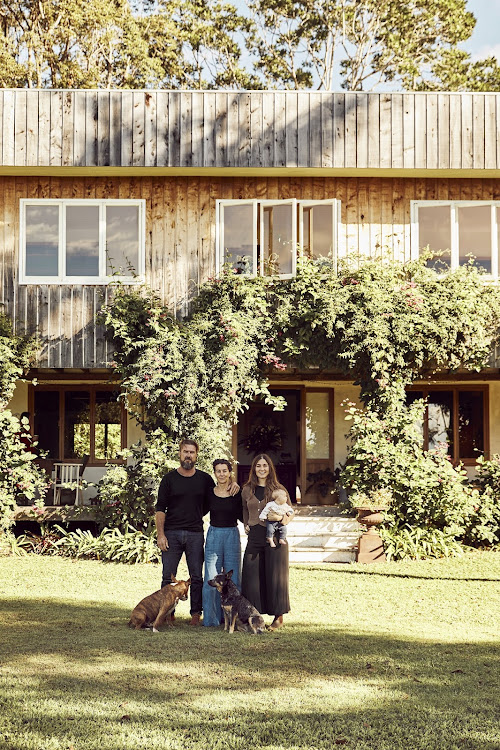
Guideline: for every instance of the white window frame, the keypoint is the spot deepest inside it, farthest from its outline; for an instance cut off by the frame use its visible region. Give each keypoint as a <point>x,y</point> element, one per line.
<point>297,228</point>
<point>454,249</point>
<point>219,232</point>
<point>270,204</point>
<point>62,278</point>
<point>335,204</point>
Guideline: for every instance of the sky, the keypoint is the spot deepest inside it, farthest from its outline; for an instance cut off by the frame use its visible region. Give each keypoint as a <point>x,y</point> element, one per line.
<point>485,40</point>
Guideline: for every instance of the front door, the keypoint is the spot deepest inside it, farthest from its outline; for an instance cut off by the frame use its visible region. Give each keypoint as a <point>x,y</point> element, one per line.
<point>298,439</point>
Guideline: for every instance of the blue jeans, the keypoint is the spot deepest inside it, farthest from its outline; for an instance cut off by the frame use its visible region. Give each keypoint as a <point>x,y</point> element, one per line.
<point>191,543</point>
<point>275,527</point>
<point>222,550</point>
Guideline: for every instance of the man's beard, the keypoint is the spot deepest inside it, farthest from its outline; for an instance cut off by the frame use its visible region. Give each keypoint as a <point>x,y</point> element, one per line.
<point>187,464</point>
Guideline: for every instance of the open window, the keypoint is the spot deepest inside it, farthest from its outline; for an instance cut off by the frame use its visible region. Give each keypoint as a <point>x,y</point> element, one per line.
<point>263,236</point>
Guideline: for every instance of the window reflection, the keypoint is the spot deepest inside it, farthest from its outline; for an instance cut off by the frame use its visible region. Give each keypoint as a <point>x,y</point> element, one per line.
<point>317,424</point>
<point>82,240</point>
<point>42,240</point>
<point>434,231</point>
<point>122,240</point>
<point>440,420</point>
<point>318,230</point>
<point>278,239</point>
<point>474,231</point>
<point>237,237</point>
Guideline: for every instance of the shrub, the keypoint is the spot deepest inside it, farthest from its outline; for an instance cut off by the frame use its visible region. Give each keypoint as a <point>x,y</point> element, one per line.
<point>414,543</point>
<point>112,545</point>
<point>19,475</point>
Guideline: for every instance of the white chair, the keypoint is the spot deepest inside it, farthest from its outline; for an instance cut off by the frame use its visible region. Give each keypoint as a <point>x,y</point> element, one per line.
<point>69,477</point>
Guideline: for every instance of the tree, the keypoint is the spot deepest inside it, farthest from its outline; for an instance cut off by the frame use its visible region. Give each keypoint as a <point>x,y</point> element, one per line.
<point>305,43</point>
<point>122,44</point>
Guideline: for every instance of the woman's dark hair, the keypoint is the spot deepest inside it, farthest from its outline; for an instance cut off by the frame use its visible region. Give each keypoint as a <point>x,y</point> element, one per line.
<point>222,461</point>
<point>272,483</point>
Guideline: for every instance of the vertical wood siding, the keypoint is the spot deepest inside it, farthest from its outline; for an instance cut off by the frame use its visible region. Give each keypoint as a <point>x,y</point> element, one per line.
<point>180,240</point>
<point>266,129</point>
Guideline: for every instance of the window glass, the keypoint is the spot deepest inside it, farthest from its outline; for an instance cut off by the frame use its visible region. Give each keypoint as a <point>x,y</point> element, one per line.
<point>42,240</point>
<point>76,424</point>
<point>440,420</point>
<point>434,231</point>
<point>474,231</point>
<point>108,429</point>
<point>317,424</point>
<point>470,424</point>
<point>318,230</point>
<point>278,239</point>
<point>237,237</point>
<point>122,240</point>
<point>82,240</point>
<point>46,422</point>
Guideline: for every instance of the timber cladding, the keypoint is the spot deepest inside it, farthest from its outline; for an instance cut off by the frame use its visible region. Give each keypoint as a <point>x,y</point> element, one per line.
<point>244,130</point>
<point>180,240</point>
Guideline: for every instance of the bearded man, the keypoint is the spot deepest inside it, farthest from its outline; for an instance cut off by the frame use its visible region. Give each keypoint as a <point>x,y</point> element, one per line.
<point>182,503</point>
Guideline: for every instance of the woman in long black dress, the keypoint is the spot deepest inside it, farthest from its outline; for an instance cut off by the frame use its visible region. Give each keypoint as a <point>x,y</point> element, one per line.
<point>264,578</point>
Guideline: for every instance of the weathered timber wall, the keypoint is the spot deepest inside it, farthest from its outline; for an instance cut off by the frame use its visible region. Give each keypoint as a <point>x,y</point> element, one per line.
<point>180,239</point>
<point>259,129</point>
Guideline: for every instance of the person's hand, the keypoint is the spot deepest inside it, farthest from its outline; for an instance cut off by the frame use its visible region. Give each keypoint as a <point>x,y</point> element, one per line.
<point>273,516</point>
<point>233,488</point>
<point>247,529</point>
<point>162,542</point>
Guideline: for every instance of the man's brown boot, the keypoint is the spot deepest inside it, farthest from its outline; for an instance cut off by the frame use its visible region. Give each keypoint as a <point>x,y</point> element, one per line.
<point>195,619</point>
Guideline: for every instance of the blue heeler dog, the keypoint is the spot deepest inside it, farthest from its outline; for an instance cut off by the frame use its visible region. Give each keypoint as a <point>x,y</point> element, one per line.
<point>237,610</point>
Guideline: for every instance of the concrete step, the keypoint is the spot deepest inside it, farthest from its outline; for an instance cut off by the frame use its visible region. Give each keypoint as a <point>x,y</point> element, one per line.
<point>320,534</point>
<point>303,525</point>
<point>319,555</point>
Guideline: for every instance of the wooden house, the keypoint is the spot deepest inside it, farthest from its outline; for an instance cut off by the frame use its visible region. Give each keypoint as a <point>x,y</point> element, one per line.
<point>165,186</point>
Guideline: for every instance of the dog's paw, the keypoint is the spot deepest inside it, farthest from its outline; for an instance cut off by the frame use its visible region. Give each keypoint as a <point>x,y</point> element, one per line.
<point>155,630</point>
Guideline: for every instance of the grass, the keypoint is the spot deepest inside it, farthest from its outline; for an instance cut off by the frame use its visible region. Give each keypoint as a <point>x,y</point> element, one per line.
<point>372,657</point>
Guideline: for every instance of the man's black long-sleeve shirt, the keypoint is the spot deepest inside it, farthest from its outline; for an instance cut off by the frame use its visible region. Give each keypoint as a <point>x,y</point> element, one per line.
<point>183,499</point>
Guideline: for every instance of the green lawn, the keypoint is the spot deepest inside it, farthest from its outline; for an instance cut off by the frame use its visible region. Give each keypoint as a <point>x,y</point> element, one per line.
<point>372,657</point>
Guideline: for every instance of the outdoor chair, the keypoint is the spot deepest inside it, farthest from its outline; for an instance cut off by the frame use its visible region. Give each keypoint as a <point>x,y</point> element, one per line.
<point>68,481</point>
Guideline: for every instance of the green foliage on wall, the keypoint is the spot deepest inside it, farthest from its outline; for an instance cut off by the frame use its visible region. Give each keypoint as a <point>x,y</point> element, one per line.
<point>19,476</point>
<point>384,324</point>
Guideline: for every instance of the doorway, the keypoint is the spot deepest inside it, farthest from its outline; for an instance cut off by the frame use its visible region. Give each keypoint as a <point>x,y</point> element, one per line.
<point>298,439</point>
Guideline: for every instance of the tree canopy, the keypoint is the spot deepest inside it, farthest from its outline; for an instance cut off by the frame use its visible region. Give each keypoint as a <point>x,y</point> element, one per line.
<point>195,44</point>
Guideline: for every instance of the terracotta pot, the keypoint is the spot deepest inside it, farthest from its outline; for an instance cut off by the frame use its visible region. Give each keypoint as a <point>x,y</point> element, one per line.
<point>370,545</point>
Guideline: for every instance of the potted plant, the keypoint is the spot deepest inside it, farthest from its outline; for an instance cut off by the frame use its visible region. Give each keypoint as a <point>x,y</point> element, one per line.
<point>370,507</point>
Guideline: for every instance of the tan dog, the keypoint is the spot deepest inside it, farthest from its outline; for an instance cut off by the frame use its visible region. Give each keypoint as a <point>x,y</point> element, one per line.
<point>155,608</point>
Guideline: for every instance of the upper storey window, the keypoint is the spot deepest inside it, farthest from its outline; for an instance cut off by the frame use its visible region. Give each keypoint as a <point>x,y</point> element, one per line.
<point>261,237</point>
<point>459,229</point>
<point>81,241</point>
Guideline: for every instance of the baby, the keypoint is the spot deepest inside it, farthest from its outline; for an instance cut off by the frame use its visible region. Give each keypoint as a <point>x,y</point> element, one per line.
<point>279,504</point>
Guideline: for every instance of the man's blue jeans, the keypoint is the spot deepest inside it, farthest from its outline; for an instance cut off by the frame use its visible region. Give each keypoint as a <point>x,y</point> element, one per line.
<point>191,543</point>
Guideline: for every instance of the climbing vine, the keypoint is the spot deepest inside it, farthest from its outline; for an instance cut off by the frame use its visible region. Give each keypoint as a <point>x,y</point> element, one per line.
<point>384,324</point>
<point>19,475</point>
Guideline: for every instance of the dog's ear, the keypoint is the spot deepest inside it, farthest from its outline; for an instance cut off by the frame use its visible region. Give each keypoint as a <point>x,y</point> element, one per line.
<point>229,574</point>
<point>189,581</point>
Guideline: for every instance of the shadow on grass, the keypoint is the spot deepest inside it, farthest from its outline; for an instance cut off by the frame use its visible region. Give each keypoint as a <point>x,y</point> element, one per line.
<point>101,682</point>
<point>384,572</point>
